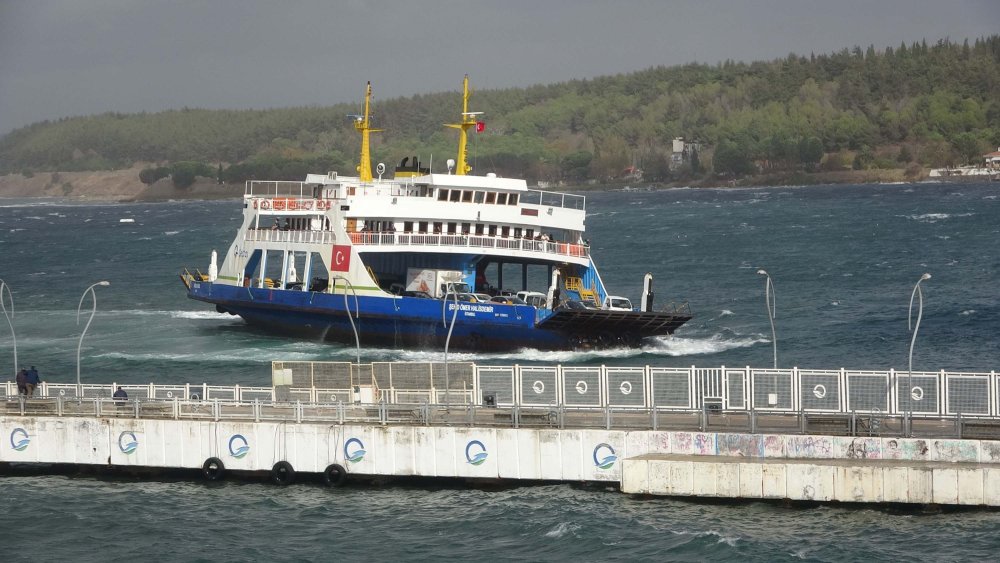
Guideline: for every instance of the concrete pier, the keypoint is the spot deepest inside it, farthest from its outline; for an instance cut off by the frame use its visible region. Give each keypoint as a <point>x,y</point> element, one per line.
<point>677,463</point>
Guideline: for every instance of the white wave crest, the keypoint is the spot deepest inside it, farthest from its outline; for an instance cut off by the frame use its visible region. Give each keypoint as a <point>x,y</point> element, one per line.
<point>562,529</point>
<point>968,312</point>
<point>682,346</point>
<point>935,217</point>
<point>726,313</point>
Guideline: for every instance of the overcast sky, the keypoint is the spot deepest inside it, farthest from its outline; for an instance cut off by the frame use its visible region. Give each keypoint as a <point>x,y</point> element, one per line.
<point>78,57</point>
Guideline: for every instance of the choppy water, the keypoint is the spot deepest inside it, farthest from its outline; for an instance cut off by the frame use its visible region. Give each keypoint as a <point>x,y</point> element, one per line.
<point>843,258</point>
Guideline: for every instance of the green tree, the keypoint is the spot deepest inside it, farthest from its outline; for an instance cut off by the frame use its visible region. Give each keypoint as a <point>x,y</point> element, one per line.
<point>731,158</point>
<point>968,147</point>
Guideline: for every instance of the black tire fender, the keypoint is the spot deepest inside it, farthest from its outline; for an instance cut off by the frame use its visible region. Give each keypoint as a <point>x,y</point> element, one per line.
<point>213,469</point>
<point>334,475</point>
<point>282,473</point>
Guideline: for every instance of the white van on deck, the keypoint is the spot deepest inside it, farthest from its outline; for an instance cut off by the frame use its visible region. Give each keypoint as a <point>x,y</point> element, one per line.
<point>616,303</point>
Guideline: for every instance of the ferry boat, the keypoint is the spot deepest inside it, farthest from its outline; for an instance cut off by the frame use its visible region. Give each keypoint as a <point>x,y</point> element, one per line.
<point>422,260</point>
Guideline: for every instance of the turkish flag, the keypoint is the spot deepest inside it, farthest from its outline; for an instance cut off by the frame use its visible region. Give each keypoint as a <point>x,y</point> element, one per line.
<point>341,260</point>
<point>480,126</point>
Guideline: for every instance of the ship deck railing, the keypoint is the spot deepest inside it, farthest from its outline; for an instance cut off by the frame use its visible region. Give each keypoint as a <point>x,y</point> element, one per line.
<point>392,239</point>
<point>294,236</point>
<point>286,191</point>
<point>837,402</point>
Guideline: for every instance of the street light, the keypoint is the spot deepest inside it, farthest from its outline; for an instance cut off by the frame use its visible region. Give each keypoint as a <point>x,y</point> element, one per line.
<point>919,294</point>
<point>93,310</point>
<point>769,301</point>
<point>5,287</point>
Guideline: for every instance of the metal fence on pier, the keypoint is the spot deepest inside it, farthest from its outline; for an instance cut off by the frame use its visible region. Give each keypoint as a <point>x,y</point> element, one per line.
<point>739,399</point>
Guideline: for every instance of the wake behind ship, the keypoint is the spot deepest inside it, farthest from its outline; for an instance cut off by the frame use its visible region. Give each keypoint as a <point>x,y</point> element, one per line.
<point>421,260</point>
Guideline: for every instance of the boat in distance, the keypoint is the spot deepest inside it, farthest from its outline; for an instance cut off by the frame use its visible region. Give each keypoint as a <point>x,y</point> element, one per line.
<point>419,261</point>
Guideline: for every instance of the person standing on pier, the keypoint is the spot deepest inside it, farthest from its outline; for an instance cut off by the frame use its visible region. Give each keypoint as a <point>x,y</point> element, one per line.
<point>32,381</point>
<point>22,382</point>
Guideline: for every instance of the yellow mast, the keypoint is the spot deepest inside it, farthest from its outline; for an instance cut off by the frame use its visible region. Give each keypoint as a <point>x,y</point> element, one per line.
<point>468,120</point>
<point>363,125</point>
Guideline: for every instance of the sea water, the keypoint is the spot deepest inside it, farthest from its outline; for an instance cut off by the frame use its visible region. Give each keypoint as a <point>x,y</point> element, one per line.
<point>843,260</point>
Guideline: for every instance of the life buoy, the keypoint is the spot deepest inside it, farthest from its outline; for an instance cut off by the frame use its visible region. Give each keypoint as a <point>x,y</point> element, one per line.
<point>255,204</point>
<point>334,475</point>
<point>307,205</point>
<point>282,473</point>
<point>266,204</point>
<point>213,469</point>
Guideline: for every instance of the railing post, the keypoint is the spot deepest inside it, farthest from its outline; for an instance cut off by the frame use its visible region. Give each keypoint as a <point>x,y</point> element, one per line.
<point>135,406</point>
<point>177,409</point>
<point>59,405</point>
<point>216,410</point>
<point>97,407</point>
<point>298,412</point>
<point>256,409</point>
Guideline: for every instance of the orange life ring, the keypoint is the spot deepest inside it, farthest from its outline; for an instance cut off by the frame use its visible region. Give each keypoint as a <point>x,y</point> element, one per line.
<point>307,205</point>
<point>265,204</point>
<point>255,204</point>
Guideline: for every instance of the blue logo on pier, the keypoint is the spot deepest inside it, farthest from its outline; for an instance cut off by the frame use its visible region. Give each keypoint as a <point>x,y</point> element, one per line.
<point>19,439</point>
<point>127,442</point>
<point>356,454</point>
<point>238,446</point>
<point>480,455</point>
<point>609,456</point>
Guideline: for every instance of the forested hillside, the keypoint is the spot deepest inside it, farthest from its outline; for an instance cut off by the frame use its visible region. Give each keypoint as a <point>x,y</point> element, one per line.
<point>916,105</point>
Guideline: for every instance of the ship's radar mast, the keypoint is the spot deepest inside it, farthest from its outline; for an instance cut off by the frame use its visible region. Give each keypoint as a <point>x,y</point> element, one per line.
<point>468,120</point>
<point>363,124</point>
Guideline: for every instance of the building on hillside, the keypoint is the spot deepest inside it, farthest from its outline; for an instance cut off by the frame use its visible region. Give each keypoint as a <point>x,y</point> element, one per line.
<point>682,151</point>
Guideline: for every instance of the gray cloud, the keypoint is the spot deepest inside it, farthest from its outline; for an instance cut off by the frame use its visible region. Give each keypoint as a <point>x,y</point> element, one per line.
<point>66,57</point>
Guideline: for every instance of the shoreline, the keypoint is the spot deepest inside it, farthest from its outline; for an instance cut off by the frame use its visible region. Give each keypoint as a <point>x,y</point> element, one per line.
<point>123,186</point>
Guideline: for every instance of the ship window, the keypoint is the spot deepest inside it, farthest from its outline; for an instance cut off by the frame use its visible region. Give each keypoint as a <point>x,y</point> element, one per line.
<point>512,200</point>
<point>465,228</point>
<point>442,195</point>
<point>501,199</point>
<point>452,228</point>
<point>456,195</point>
<point>423,226</point>
<point>479,227</point>
<point>491,197</point>
<point>466,196</point>
<point>437,226</point>
<point>479,197</point>
<point>517,232</point>
<point>529,233</point>
<point>407,226</point>
<point>493,230</point>
<point>505,232</point>
<point>351,190</point>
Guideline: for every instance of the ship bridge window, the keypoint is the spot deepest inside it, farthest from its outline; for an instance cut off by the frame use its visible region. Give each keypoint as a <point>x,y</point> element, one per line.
<point>529,233</point>
<point>517,232</point>
<point>465,228</point>
<point>423,226</point>
<point>442,195</point>
<point>501,199</point>
<point>466,196</point>
<point>437,227</point>
<point>491,197</point>
<point>456,195</point>
<point>493,230</point>
<point>407,226</point>
<point>479,228</point>
<point>505,231</point>
<point>512,200</point>
<point>478,198</point>
<point>452,228</point>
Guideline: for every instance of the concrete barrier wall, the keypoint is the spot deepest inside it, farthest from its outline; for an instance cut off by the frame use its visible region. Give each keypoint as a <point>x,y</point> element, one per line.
<point>944,471</point>
<point>559,455</point>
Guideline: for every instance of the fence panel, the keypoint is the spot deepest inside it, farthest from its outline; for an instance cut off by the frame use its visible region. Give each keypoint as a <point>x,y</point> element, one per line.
<point>772,389</point>
<point>921,395</point>
<point>672,388</point>
<point>968,394</point>
<point>539,385</point>
<point>820,390</point>
<point>626,387</point>
<point>581,386</point>
<point>736,383</point>
<point>868,391</point>
<point>497,381</point>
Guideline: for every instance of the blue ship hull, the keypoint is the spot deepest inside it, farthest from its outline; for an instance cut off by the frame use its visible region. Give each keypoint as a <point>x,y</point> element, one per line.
<point>385,321</point>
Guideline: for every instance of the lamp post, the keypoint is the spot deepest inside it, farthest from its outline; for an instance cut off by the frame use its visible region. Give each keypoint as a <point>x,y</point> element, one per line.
<point>914,327</point>
<point>769,301</point>
<point>93,311</point>
<point>454,315</point>
<point>4,287</point>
